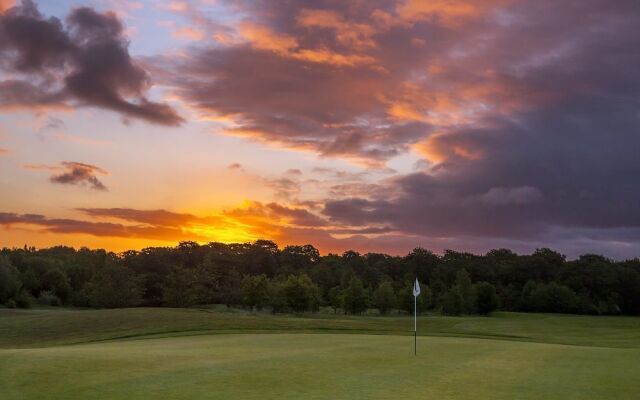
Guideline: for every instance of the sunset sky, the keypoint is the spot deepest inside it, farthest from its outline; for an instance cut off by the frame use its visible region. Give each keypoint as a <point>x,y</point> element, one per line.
<point>376,125</point>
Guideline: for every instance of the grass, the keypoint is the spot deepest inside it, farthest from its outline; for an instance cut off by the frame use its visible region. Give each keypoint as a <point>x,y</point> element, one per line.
<point>198,354</point>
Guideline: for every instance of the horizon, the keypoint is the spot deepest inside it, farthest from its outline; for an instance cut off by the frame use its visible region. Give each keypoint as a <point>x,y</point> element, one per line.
<point>325,254</point>
<point>377,126</point>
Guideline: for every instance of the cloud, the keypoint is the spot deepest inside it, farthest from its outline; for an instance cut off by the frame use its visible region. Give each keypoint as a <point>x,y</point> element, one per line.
<point>520,141</point>
<point>294,171</point>
<point>284,188</point>
<point>84,62</point>
<point>250,221</point>
<point>3,151</point>
<point>523,145</point>
<point>235,167</point>
<point>312,80</point>
<point>76,173</point>
<point>153,217</point>
<point>189,33</point>
<point>503,196</point>
<point>100,229</point>
<point>73,173</point>
<point>5,5</point>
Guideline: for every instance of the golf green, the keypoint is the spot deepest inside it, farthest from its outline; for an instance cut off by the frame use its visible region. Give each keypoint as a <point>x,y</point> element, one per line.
<point>294,365</point>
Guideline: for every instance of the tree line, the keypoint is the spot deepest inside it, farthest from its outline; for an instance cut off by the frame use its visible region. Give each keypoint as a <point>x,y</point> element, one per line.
<point>298,279</point>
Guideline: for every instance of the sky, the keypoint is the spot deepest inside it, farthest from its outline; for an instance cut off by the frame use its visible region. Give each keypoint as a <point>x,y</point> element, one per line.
<point>377,125</point>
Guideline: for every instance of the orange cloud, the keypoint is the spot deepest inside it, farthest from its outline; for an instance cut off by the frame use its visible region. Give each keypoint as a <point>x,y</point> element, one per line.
<point>249,221</point>
<point>188,33</point>
<point>326,56</point>
<point>5,5</point>
<point>439,148</point>
<point>263,38</point>
<point>355,35</point>
<point>446,12</point>
<point>177,6</point>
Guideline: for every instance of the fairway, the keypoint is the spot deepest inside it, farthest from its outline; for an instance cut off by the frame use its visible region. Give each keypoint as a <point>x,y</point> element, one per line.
<point>219,365</point>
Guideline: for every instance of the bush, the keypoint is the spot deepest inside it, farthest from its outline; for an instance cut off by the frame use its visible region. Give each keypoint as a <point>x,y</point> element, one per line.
<point>47,298</point>
<point>80,298</point>
<point>23,300</point>
<point>11,303</point>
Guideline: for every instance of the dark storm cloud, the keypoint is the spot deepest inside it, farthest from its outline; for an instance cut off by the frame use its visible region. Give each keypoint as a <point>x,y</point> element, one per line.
<point>527,111</point>
<point>297,216</point>
<point>555,146</point>
<point>84,62</point>
<point>292,82</point>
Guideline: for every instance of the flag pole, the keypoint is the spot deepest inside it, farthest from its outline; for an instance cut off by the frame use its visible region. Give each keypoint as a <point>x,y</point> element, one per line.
<point>416,293</point>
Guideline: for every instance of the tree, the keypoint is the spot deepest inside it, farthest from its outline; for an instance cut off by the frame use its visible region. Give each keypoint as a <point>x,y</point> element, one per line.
<point>453,302</point>
<point>553,298</point>
<point>255,291</point>
<point>486,298</point>
<point>57,283</point>
<point>463,282</point>
<point>213,273</point>
<point>115,287</point>
<point>230,288</point>
<point>9,280</point>
<point>384,297</point>
<point>355,297</point>
<point>301,293</point>
<point>180,288</point>
<point>335,298</point>
<point>277,298</point>
<point>423,302</point>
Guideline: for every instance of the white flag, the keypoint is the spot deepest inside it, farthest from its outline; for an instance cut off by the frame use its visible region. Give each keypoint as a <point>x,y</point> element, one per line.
<point>416,288</point>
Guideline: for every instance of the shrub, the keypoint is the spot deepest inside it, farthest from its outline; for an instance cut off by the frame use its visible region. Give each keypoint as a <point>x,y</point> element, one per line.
<point>47,298</point>
<point>23,300</point>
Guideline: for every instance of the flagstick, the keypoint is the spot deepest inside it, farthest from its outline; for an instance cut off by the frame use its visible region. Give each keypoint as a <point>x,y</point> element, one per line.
<point>415,325</point>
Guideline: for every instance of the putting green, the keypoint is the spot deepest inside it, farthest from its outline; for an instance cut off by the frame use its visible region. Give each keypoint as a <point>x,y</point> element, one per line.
<point>318,366</point>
